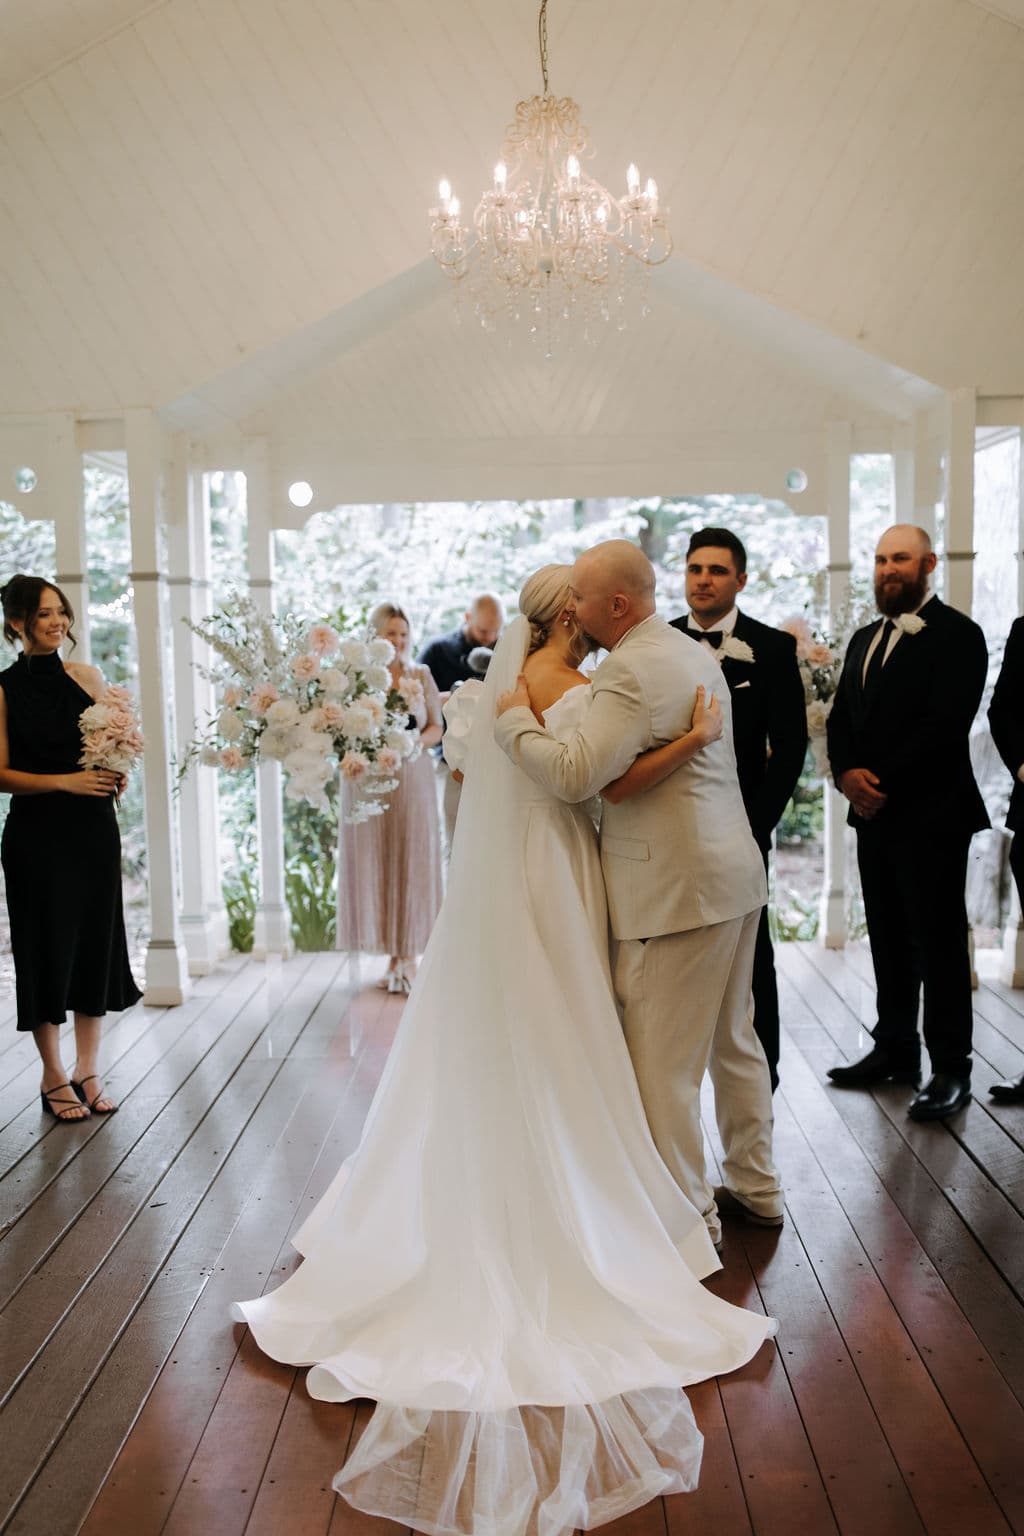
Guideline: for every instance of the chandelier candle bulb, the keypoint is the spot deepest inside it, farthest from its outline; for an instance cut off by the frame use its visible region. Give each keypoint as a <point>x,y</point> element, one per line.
<point>572,171</point>
<point>500,176</point>
<point>651,193</point>
<point>632,180</point>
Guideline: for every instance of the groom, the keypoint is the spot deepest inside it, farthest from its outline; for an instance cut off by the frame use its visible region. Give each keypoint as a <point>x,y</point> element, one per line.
<point>685,883</point>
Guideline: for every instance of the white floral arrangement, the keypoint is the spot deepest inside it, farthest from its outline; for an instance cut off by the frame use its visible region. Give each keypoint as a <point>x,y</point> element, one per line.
<point>111,734</point>
<point>820,659</point>
<point>319,702</point>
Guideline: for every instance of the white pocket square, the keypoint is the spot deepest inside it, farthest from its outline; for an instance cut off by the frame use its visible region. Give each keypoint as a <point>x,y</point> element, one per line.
<point>741,685</point>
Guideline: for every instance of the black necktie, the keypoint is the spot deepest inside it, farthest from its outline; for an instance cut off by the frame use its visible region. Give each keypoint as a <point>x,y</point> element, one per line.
<point>714,637</point>
<point>874,670</point>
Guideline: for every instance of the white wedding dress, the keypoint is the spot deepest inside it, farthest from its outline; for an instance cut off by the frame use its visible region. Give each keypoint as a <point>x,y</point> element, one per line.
<point>505,1265</point>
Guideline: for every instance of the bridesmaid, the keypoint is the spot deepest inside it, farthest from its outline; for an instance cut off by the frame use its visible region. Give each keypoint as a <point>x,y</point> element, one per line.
<point>389,868</point>
<point>61,851</point>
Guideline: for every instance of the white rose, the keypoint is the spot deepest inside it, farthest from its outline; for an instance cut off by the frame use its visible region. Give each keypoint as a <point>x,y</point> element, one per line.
<point>276,742</point>
<point>381,650</point>
<point>379,678</point>
<point>210,757</point>
<point>229,726</point>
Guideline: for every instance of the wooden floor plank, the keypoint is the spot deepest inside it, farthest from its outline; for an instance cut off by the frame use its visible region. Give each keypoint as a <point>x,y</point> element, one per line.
<point>176,1415</point>
<point>891,1402</point>
<point>60,1359</point>
<point>977,1403</point>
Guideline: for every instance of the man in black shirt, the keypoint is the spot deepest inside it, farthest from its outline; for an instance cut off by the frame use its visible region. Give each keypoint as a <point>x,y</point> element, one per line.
<point>447,656</point>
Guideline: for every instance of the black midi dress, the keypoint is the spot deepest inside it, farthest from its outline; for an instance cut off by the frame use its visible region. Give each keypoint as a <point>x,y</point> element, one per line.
<point>61,857</point>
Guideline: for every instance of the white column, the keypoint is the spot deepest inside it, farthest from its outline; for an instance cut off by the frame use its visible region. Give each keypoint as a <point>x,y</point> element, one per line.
<point>959,558</point>
<point>272,928</point>
<point>65,501</point>
<point>1011,968</point>
<point>202,918</point>
<point>167,979</point>
<point>838,436</point>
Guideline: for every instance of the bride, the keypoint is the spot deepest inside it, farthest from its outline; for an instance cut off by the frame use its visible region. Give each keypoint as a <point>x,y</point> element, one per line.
<point>505,1266</point>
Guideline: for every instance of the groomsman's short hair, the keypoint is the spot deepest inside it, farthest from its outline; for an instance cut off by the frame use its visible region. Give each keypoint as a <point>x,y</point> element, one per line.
<point>720,538</point>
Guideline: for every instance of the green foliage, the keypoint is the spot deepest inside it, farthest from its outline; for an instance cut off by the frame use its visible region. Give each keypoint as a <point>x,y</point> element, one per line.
<point>240,893</point>
<point>803,820</point>
<point>794,917</point>
<point>310,892</point>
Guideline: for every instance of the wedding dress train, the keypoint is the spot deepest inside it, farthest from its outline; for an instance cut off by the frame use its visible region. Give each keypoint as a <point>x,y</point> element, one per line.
<point>505,1266</point>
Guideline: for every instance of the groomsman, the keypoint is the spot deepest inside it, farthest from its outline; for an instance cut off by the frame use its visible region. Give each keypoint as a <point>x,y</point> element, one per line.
<point>1006,719</point>
<point>769,721</point>
<point>898,744</point>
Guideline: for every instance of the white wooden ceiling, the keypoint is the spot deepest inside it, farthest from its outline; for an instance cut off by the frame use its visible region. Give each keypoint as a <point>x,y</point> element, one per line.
<point>210,201</point>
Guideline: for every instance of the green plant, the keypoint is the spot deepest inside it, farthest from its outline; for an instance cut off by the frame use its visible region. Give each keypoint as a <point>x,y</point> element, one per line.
<point>241,894</point>
<point>309,890</point>
<point>803,820</point>
<point>794,918</point>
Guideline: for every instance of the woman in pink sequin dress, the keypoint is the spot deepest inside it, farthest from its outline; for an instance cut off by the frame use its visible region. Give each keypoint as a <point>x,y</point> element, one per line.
<point>389,868</point>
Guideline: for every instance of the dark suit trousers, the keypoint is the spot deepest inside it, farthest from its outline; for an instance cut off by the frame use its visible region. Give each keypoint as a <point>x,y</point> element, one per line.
<point>1017,863</point>
<point>913,883</point>
<point>766,992</point>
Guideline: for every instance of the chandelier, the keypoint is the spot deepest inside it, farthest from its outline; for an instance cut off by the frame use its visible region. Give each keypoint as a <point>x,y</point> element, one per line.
<point>548,244</point>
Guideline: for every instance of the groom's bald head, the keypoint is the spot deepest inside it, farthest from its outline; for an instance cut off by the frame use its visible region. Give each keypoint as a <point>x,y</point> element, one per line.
<point>613,589</point>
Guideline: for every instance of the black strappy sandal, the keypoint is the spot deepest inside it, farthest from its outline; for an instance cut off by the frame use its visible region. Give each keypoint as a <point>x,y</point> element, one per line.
<point>44,1094</point>
<point>90,1104</point>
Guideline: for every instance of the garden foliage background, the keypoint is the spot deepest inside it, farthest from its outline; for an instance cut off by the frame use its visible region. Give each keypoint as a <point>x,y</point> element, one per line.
<point>434,558</point>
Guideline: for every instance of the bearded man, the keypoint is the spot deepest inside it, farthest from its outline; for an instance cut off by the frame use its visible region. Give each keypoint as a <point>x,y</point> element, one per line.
<point>898,745</point>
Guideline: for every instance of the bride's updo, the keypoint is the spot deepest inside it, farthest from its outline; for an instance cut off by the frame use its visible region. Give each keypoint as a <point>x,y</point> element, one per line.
<point>542,600</point>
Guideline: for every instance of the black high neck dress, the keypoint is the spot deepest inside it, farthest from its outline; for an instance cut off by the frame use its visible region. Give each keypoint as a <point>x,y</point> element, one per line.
<point>61,857</point>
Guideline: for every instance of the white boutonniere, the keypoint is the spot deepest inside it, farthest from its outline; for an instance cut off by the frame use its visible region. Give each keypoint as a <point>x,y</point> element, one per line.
<point>909,623</point>
<point>739,650</point>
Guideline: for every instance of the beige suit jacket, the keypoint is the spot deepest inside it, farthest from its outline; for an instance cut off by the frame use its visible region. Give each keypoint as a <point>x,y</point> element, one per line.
<point>680,855</point>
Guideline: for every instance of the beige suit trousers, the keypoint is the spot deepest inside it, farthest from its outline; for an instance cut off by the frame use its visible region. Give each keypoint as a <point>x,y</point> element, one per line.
<point>686,1010</point>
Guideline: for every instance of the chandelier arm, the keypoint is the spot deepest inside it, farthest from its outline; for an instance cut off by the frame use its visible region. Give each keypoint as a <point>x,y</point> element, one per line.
<point>542,39</point>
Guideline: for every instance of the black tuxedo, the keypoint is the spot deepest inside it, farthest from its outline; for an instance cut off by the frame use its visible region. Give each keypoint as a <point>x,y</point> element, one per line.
<point>1006,720</point>
<point>910,726</point>
<point>769,732</point>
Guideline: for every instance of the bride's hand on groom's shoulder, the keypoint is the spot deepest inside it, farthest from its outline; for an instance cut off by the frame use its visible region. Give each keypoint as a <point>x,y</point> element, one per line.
<point>514,698</point>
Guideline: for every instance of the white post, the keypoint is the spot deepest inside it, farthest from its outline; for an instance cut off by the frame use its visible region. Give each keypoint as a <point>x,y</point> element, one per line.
<point>202,917</point>
<point>166,961</point>
<point>960,433</point>
<point>838,438</point>
<point>65,499</point>
<point>272,934</point>
<point>1011,968</point>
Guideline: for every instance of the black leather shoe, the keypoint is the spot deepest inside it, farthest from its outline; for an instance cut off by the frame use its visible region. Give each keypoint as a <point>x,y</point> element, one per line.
<point>943,1096</point>
<point>1009,1093</point>
<point>878,1066</point>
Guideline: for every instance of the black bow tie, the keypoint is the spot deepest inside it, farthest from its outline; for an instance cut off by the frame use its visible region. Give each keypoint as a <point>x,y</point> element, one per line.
<point>714,637</point>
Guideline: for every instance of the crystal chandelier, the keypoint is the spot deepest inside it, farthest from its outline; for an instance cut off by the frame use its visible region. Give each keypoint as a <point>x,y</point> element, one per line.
<point>548,244</point>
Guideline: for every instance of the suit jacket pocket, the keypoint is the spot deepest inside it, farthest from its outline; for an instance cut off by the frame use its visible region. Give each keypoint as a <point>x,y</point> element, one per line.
<point>626,847</point>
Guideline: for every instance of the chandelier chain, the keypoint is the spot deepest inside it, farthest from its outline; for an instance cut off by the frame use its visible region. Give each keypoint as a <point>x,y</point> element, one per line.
<point>542,37</point>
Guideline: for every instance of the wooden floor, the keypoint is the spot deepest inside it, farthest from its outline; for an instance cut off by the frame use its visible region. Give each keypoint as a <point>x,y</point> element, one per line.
<point>891,1402</point>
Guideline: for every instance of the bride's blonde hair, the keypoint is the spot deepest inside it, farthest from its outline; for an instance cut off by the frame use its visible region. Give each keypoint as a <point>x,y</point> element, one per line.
<point>542,600</point>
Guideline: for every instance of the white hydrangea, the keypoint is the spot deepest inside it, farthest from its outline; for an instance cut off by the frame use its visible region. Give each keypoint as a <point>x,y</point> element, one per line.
<point>284,712</point>
<point>379,678</point>
<point>400,742</point>
<point>355,654</point>
<point>381,650</point>
<point>358,722</point>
